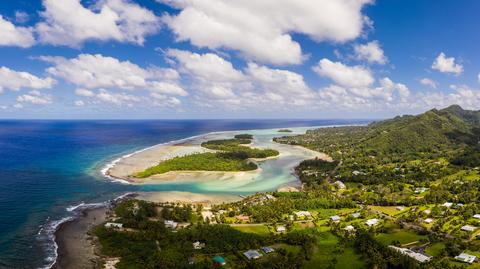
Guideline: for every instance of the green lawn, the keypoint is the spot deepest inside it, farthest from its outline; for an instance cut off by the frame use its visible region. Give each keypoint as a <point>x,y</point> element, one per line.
<point>327,249</point>
<point>261,229</point>
<point>404,237</point>
<point>435,249</point>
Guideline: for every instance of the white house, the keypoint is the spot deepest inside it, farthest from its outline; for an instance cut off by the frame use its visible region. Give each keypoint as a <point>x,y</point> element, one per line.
<point>349,228</point>
<point>170,224</point>
<point>356,215</point>
<point>252,254</point>
<point>400,208</point>
<point>467,258</point>
<point>335,218</point>
<point>427,211</point>
<point>468,228</point>
<point>305,214</point>
<point>281,229</point>
<point>428,220</point>
<point>340,185</point>
<point>420,257</point>
<point>114,225</point>
<point>447,204</point>
<point>267,249</point>
<point>477,216</point>
<point>420,190</point>
<point>372,222</point>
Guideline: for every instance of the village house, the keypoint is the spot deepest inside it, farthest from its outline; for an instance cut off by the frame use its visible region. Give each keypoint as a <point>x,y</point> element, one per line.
<point>281,229</point>
<point>243,218</point>
<point>477,216</point>
<point>114,225</point>
<point>349,228</point>
<point>267,249</point>
<point>468,228</point>
<point>372,222</point>
<point>171,224</point>
<point>335,218</point>
<point>252,254</point>
<point>339,185</point>
<point>303,214</point>
<point>356,215</point>
<point>400,208</point>
<point>420,190</point>
<point>427,211</point>
<point>447,204</point>
<point>466,258</point>
<point>420,257</point>
<point>428,220</point>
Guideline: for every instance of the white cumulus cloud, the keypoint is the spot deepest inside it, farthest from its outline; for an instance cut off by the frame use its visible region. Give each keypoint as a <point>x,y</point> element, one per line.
<point>262,30</point>
<point>371,52</point>
<point>428,82</point>
<point>35,97</point>
<point>447,65</point>
<point>69,23</point>
<point>11,35</point>
<point>343,75</point>
<point>15,80</point>
<point>97,71</point>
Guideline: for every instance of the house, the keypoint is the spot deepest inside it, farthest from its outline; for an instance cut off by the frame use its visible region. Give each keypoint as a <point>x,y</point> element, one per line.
<point>420,190</point>
<point>428,220</point>
<point>339,185</point>
<point>468,228</point>
<point>243,218</point>
<point>372,222</point>
<point>268,250</point>
<point>192,260</point>
<point>304,214</point>
<point>252,254</point>
<point>447,204</point>
<point>356,173</point>
<point>427,211</point>
<point>170,224</point>
<point>477,216</point>
<point>466,258</point>
<point>335,218</point>
<point>198,245</point>
<point>349,228</point>
<point>356,215</point>
<point>420,257</point>
<point>281,229</point>
<point>114,225</point>
<point>400,208</point>
<point>219,261</point>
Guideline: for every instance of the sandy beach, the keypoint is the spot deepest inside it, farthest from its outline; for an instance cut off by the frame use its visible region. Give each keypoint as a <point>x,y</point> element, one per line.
<point>130,164</point>
<point>187,197</point>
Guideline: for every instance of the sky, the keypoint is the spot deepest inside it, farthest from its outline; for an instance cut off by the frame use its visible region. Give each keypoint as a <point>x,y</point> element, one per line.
<point>178,59</point>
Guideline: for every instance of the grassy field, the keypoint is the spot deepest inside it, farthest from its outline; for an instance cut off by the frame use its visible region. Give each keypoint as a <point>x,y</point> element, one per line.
<point>435,249</point>
<point>260,229</point>
<point>327,253</point>
<point>389,210</point>
<point>402,236</point>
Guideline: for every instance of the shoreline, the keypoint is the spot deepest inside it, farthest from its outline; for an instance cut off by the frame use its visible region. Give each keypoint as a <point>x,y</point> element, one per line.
<point>184,146</point>
<point>74,229</point>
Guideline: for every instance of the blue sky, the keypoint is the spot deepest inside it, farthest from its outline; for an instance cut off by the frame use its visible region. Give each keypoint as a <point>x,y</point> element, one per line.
<point>244,59</point>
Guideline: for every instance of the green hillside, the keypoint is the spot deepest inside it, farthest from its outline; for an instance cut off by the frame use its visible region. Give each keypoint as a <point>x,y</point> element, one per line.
<point>438,132</point>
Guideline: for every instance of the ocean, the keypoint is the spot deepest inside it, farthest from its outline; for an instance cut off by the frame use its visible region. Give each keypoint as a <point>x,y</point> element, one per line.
<point>49,168</point>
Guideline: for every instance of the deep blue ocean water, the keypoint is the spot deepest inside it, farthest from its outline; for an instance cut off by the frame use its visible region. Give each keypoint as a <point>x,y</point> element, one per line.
<point>47,166</point>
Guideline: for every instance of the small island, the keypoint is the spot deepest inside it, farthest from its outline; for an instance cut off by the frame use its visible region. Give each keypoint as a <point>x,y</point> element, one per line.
<point>284,131</point>
<point>226,155</point>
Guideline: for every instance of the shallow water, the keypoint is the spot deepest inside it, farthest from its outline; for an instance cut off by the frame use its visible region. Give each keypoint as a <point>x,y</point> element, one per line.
<point>49,166</point>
